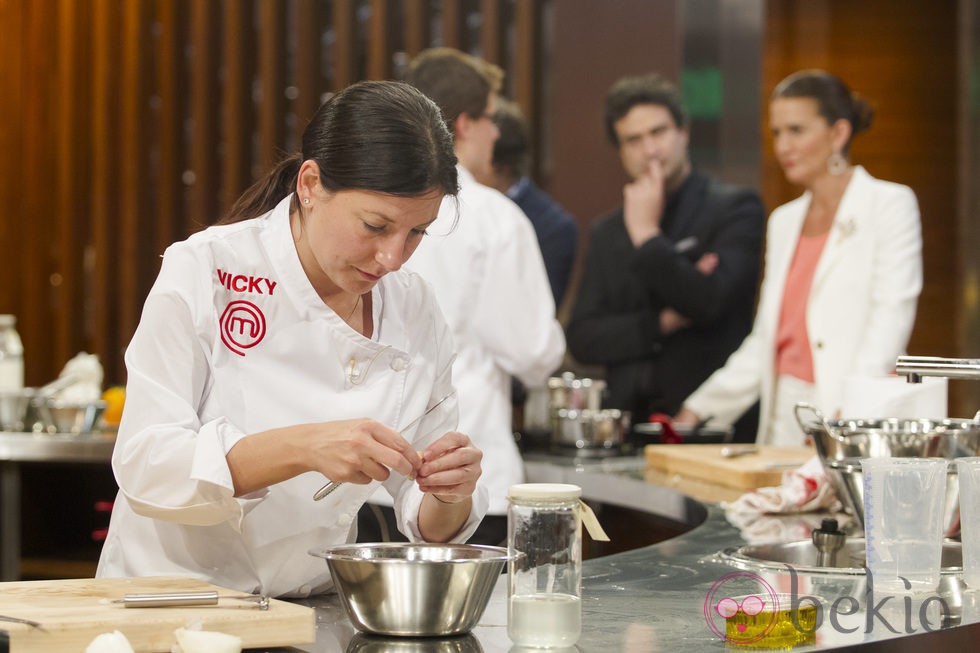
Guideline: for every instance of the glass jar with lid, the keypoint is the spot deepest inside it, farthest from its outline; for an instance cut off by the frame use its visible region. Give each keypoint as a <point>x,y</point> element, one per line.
<point>544,541</point>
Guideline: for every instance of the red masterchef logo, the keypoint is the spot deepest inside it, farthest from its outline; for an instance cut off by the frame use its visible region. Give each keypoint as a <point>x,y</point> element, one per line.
<point>242,326</point>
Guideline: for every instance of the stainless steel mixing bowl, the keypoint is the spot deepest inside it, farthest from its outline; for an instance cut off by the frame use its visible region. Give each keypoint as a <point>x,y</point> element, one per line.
<point>841,444</point>
<point>847,473</point>
<point>841,439</point>
<point>415,590</point>
<point>362,643</point>
<point>13,409</point>
<point>59,416</point>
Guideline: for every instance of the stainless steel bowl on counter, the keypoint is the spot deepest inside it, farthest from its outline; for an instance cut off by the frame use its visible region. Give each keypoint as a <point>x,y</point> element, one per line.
<point>414,590</point>
<point>893,437</point>
<point>14,405</point>
<point>59,416</point>
<point>842,443</point>
<point>362,643</point>
<point>848,474</point>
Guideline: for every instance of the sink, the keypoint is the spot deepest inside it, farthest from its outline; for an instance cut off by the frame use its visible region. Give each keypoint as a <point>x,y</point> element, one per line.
<point>802,556</point>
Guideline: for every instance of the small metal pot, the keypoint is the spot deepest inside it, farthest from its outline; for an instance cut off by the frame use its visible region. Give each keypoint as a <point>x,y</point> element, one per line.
<point>561,392</point>
<point>567,391</point>
<point>590,432</point>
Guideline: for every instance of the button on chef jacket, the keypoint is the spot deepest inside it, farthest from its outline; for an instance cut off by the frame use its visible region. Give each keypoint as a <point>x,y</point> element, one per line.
<point>234,340</point>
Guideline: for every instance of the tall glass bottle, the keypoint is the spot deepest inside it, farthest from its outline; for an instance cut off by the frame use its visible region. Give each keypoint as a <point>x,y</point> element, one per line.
<point>11,355</point>
<point>544,541</point>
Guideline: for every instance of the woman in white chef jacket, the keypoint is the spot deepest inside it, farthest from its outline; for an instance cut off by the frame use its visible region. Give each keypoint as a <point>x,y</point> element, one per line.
<point>843,270</point>
<point>285,347</point>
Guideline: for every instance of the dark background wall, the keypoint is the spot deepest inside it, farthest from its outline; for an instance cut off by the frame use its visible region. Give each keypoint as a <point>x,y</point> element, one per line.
<point>590,50</point>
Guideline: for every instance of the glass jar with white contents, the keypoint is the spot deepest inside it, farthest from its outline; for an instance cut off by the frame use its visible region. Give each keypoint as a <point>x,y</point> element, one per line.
<point>544,542</point>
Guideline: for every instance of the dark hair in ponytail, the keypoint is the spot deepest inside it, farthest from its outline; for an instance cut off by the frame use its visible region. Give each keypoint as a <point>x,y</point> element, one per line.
<point>834,99</point>
<point>381,136</point>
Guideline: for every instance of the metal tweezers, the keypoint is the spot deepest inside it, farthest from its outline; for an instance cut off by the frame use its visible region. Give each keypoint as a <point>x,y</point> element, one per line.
<point>331,485</point>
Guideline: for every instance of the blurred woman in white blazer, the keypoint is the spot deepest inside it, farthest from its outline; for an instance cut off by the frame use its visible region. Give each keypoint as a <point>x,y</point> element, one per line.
<point>843,270</point>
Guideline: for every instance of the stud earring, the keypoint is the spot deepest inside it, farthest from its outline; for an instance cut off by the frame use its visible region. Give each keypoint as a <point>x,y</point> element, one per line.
<point>306,200</point>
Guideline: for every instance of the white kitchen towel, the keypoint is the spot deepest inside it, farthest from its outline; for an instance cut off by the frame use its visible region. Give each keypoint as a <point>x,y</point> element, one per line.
<point>778,529</point>
<point>761,515</point>
<point>805,489</point>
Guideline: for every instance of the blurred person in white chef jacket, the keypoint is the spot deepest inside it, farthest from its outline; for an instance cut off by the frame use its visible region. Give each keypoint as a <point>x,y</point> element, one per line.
<point>843,270</point>
<point>286,347</point>
<point>489,277</point>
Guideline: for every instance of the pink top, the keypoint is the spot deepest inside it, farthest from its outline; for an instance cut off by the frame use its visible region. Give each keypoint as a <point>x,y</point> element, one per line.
<point>793,355</point>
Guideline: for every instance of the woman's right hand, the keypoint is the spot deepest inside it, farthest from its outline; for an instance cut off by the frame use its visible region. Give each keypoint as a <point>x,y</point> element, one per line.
<point>359,451</point>
<point>687,417</point>
<point>348,451</point>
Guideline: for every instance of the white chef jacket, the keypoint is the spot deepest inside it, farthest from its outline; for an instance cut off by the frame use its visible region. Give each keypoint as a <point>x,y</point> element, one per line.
<point>234,340</point>
<point>490,280</point>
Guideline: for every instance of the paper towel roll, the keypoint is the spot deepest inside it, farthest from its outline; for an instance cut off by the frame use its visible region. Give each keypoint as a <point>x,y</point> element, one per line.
<point>892,396</point>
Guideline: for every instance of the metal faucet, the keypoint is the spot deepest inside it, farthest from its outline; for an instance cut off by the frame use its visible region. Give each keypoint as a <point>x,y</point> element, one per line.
<point>916,367</point>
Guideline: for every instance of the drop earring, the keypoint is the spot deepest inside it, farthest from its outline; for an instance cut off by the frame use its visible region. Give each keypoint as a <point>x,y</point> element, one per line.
<point>836,164</point>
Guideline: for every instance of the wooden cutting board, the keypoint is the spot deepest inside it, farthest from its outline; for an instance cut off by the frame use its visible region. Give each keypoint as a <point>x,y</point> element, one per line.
<point>746,472</point>
<point>73,612</point>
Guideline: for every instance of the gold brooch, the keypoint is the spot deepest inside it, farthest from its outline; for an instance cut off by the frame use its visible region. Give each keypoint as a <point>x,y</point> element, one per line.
<point>845,228</point>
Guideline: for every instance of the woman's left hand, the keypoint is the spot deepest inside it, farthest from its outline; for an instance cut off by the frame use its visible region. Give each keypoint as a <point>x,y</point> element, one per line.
<point>450,468</point>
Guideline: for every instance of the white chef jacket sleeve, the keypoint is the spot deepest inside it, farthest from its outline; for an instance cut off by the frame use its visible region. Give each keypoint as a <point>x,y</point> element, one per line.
<point>526,340</point>
<point>734,387</point>
<point>167,463</point>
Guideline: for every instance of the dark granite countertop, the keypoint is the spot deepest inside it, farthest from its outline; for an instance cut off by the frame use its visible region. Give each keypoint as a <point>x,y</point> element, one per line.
<point>661,597</point>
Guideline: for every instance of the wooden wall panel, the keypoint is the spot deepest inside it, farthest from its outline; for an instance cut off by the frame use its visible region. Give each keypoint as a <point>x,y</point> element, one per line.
<point>36,312</point>
<point>104,204</point>
<point>70,179</point>
<point>526,76</point>
<point>451,24</point>
<point>491,36</point>
<point>133,174</point>
<point>236,96</point>
<point>167,110</point>
<point>344,51</point>
<point>308,80</point>
<point>13,14</point>
<point>378,42</point>
<point>128,125</point>
<point>272,74</point>
<point>416,26</point>
<point>591,50</point>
